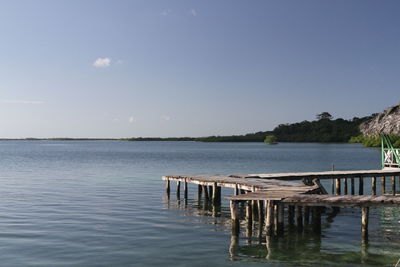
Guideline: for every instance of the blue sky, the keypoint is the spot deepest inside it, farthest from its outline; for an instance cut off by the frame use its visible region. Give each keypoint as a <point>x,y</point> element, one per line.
<point>192,68</point>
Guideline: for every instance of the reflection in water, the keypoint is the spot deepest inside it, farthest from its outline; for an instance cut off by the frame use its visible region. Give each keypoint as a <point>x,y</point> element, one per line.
<point>297,244</point>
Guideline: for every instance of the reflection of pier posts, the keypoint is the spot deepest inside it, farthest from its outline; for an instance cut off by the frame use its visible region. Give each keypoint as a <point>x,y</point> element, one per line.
<point>234,247</point>
<point>316,219</point>
<point>299,218</point>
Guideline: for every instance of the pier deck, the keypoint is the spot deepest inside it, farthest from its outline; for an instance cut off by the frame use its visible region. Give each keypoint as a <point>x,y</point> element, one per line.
<point>269,194</point>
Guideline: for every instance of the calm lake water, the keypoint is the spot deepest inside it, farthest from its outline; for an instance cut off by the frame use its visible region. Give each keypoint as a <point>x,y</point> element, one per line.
<point>102,203</point>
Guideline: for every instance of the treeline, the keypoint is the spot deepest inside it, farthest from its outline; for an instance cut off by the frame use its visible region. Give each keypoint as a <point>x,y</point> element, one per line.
<point>374,141</point>
<point>323,129</point>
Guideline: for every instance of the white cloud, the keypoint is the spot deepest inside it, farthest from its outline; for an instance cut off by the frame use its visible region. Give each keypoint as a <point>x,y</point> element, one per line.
<point>166,12</point>
<point>132,119</point>
<point>28,102</point>
<point>193,12</point>
<point>165,117</point>
<point>102,62</point>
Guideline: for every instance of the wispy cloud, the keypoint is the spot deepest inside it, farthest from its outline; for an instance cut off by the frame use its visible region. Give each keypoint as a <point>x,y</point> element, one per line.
<point>102,62</point>
<point>165,117</point>
<point>26,102</point>
<point>131,119</point>
<point>193,12</point>
<point>166,12</point>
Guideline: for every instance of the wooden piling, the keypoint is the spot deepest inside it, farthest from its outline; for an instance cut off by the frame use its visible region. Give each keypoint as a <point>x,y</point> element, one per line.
<point>394,185</point>
<point>168,187</point>
<point>281,217</point>
<point>237,191</point>
<point>249,214</point>
<point>345,186</point>
<point>260,205</point>
<point>214,193</point>
<point>210,190</point>
<point>178,189</point>
<point>383,185</point>
<point>269,220</point>
<point>299,218</point>
<point>364,223</point>
<point>337,180</point>
<point>185,190</point>
<point>373,181</point>
<point>291,215</point>
<point>199,191</point>
<point>352,186</point>
<point>361,186</point>
<point>206,196</point>
<point>234,218</point>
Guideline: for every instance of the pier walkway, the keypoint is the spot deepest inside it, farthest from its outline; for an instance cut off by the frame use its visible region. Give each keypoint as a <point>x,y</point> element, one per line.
<point>301,194</point>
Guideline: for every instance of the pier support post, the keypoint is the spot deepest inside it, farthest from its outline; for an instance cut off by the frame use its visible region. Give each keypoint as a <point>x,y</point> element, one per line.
<point>316,219</point>
<point>206,197</point>
<point>361,186</point>
<point>249,214</point>
<point>299,218</point>
<point>214,193</point>
<point>199,191</point>
<point>280,222</point>
<point>269,220</point>
<point>210,191</point>
<point>337,186</point>
<point>185,190</point>
<point>394,185</point>
<point>168,187</point>
<point>178,189</point>
<point>373,181</point>
<point>260,205</point>
<point>291,215</point>
<point>235,218</point>
<point>237,192</point>
<point>364,223</point>
<point>345,186</point>
<point>383,185</point>
<point>353,191</point>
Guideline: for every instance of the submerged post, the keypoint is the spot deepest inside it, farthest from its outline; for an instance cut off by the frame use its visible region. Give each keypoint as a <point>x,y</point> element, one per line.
<point>178,189</point>
<point>364,223</point>
<point>269,220</point>
<point>234,218</point>
<point>373,181</point>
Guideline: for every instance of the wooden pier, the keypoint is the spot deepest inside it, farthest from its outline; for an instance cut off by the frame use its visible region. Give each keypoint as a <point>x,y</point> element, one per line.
<point>301,195</point>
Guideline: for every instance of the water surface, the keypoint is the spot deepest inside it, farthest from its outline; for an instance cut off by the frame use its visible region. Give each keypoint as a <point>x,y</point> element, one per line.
<point>102,203</point>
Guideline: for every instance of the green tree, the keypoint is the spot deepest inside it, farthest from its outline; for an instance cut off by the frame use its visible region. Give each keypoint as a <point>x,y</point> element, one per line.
<point>324,116</point>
